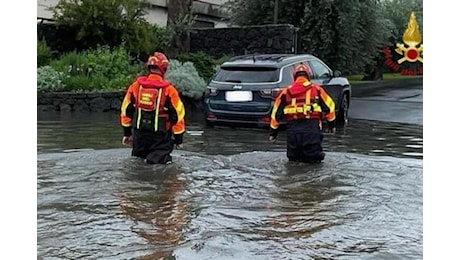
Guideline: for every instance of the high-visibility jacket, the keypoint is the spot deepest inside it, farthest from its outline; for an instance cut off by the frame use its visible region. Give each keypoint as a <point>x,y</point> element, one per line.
<point>300,100</point>
<point>152,103</point>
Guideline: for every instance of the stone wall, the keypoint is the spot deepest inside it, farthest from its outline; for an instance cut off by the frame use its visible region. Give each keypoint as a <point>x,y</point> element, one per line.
<point>94,102</point>
<point>243,40</point>
<point>111,101</point>
<point>80,102</point>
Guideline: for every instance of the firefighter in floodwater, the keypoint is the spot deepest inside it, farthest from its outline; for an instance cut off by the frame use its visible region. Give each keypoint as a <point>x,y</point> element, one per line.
<point>302,105</point>
<point>152,114</point>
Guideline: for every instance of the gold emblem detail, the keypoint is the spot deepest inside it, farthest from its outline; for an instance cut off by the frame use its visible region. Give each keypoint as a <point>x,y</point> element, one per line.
<point>411,38</point>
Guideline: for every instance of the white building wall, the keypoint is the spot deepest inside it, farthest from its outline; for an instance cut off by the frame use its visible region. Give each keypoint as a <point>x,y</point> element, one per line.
<point>220,24</point>
<point>215,2</point>
<point>157,13</point>
<point>42,6</point>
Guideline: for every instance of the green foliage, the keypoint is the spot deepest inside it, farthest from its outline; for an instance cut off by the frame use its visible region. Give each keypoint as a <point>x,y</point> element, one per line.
<point>43,53</point>
<point>48,79</point>
<point>104,68</point>
<point>95,19</point>
<point>69,63</point>
<point>179,33</point>
<point>348,35</point>
<point>186,78</point>
<point>398,12</point>
<point>253,12</point>
<point>219,62</point>
<point>204,63</point>
<point>146,37</point>
<point>108,63</point>
<point>223,59</point>
<point>159,38</point>
<point>358,78</point>
<point>86,83</point>
<point>111,22</point>
<point>100,68</point>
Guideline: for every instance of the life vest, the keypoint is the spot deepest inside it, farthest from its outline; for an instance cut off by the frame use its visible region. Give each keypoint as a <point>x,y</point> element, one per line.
<point>151,113</point>
<point>302,102</point>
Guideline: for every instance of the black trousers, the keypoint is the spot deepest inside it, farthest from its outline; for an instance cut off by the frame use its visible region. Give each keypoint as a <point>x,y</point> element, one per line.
<point>304,141</point>
<point>155,147</point>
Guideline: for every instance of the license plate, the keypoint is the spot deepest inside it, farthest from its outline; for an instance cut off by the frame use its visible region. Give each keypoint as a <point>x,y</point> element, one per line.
<point>238,96</point>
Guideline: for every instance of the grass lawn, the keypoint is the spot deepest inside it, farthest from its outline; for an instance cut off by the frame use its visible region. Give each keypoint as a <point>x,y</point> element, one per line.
<point>386,76</point>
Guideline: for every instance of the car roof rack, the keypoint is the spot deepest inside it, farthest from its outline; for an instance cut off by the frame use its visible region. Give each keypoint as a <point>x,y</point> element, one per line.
<point>275,60</point>
<point>262,57</point>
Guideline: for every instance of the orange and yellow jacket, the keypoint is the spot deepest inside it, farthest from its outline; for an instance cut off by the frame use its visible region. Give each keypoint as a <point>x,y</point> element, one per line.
<point>154,103</point>
<point>300,100</point>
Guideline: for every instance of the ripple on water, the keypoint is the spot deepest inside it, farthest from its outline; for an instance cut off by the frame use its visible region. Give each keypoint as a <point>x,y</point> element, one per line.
<point>247,205</point>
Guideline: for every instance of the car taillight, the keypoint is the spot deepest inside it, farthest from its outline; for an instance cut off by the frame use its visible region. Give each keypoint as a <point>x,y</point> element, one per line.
<point>212,91</point>
<point>265,119</point>
<point>273,92</point>
<point>211,116</point>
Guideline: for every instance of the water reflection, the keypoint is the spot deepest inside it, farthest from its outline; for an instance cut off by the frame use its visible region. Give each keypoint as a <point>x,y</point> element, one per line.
<point>302,207</point>
<point>57,132</point>
<point>248,205</point>
<point>229,195</point>
<point>102,130</point>
<point>149,198</point>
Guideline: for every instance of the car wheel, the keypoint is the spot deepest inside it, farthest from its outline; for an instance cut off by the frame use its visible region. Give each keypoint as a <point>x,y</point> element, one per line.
<point>342,117</point>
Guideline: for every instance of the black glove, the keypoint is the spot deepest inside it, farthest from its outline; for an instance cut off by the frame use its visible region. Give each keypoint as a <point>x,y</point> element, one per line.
<point>331,126</point>
<point>273,132</point>
<point>127,131</point>
<point>178,138</point>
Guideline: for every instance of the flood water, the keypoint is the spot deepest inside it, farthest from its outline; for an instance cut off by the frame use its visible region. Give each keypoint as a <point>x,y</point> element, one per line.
<point>229,194</point>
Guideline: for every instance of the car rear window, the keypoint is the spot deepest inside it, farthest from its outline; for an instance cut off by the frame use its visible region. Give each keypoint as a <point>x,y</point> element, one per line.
<point>247,74</point>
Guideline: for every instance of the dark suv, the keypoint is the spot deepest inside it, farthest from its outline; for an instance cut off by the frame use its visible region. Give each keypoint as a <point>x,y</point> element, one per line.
<point>245,87</point>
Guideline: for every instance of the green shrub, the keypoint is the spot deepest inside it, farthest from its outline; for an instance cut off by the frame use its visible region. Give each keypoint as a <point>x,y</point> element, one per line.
<point>85,83</point>
<point>204,63</point>
<point>70,63</point>
<point>97,69</point>
<point>223,59</point>
<point>108,63</point>
<point>156,39</point>
<point>220,61</point>
<point>160,37</point>
<point>48,79</point>
<point>112,23</point>
<point>43,54</point>
<point>185,77</point>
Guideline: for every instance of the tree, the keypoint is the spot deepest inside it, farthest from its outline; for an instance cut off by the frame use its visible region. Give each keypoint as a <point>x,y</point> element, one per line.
<point>108,22</point>
<point>348,35</point>
<point>398,12</point>
<point>258,12</point>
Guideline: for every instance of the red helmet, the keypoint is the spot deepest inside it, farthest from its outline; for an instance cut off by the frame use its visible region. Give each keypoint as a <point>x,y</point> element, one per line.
<point>301,69</point>
<point>158,60</point>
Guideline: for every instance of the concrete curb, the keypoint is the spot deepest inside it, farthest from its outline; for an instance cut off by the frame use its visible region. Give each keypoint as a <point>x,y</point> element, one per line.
<point>362,88</point>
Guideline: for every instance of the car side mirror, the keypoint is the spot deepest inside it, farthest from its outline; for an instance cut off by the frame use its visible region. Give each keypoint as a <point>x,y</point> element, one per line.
<point>337,73</point>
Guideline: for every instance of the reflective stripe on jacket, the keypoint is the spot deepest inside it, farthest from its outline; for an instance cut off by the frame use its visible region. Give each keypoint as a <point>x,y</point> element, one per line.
<point>302,99</point>
<point>151,100</point>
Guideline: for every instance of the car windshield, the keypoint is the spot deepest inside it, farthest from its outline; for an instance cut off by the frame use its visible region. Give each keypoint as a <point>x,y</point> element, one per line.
<point>247,74</point>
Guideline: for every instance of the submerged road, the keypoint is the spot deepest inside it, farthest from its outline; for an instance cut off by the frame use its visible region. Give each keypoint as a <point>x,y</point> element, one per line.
<point>401,105</point>
<point>231,195</point>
